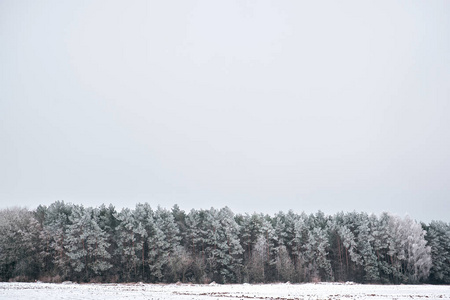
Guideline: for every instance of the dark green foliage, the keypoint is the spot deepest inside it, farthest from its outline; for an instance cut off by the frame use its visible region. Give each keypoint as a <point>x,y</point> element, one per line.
<point>70,242</point>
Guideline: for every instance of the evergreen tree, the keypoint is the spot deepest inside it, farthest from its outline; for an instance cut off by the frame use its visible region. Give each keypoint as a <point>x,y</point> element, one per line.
<point>250,226</point>
<point>69,242</point>
<point>343,245</point>
<point>318,266</point>
<point>438,237</point>
<point>54,233</point>
<point>144,216</point>
<point>196,241</point>
<point>381,233</point>
<point>270,238</point>
<point>130,243</point>
<point>366,250</point>
<point>180,219</point>
<point>280,229</point>
<point>299,243</point>
<point>250,229</point>
<point>87,244</point>
<point>163,242</point>
<point>230,250</point>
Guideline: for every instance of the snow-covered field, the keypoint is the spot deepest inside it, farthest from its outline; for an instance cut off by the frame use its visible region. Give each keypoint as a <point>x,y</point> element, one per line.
<point>68,291</point>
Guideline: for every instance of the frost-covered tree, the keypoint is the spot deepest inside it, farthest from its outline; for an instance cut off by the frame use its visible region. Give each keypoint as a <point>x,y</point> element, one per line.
<point>410,256</point>
<point>438,237</point>
<point>130,244</point>
<point>352,234</point>
<point>19,240</point>
<point>197,232</point>
<point>43,245</point>
<point>87,244</point>
<point>250,228</point>
<point>318,266</point>
<point>211,228</point>
<point>256,265</point>
<point>290,221</point>
<point>299,242</point>
<point>382,238</point>
<point>258,240</point>
<point>418,253</point>
<point>144,216</point>
<point>69,242</point>
<point>56,220</point>
<point>280,229</point>
<point>284,264</point>
<point>163,242</point>
<point>268,232</point>
<point>365,249</point>
<point>343,247</point>
<point>194,233</point>
<point>179,216</point>
<point>216,242</point>
<point>179,263</point>
<point>230,249</point>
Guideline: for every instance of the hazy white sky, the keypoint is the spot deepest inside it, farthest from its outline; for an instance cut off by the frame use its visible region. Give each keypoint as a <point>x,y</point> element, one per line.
<point>258,105</point>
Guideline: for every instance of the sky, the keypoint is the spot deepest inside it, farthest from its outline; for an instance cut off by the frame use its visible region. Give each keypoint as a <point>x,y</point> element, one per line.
<point>260,106</point>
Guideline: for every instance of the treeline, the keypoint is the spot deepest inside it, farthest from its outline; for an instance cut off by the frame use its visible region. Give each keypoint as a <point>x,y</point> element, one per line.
<point>70,242</point>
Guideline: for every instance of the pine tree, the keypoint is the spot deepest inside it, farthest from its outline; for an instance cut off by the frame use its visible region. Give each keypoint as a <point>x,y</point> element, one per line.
<point>163,242</point>
<point>128,245</point>
<point>43,245</point>
<point>230,251</point>
<point>211,240</point>
<point>55,224</point>
<point>280,229</point>
<point>366,251</point>
<point>144,216</point>
<point>179,216</point>
<point>438,237</point>
<point>87,244</point>
<point>381,233</point>
<point>270,238</point>
<point>317,262</point>
<point>338,253</point>
<point>299,242</point>
<point>250,226</point>
<point>69,242</point>
<point>196,241</point>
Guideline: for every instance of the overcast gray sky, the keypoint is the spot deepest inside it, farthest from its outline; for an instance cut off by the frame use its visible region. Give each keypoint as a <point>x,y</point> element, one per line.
<point>257,105</point>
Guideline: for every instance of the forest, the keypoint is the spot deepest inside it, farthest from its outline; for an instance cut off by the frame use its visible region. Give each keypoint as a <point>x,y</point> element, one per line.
<point>68,242</point>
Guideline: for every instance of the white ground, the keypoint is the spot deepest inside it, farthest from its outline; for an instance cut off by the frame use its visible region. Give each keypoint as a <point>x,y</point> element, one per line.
<point>69,291</point>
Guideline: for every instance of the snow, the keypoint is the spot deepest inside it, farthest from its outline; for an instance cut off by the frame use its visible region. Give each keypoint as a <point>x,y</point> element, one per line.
<point>140,291</point>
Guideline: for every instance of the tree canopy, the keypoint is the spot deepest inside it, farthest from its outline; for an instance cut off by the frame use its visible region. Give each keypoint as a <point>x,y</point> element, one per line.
<point>64,241</point>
